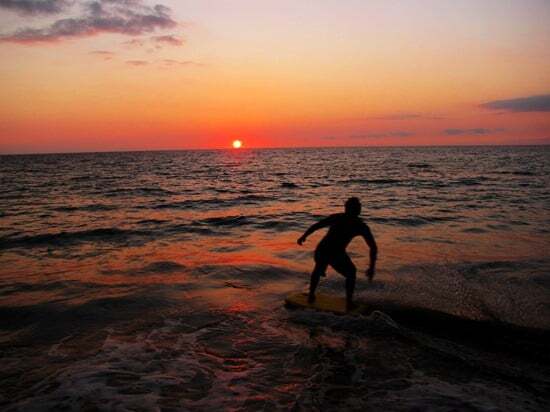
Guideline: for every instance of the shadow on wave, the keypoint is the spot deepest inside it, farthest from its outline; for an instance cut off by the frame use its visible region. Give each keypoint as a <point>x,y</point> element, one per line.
<point>67,238</point>
<point>395,318</point>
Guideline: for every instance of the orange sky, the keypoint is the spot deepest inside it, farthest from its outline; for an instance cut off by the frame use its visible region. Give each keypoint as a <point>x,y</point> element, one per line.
<point>92,77</point>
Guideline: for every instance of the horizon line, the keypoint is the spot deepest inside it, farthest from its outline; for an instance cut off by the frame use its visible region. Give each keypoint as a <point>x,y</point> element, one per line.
<point>543,143</point>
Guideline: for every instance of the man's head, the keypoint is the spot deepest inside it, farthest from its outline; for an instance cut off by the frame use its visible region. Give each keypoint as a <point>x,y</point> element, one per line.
<point>353,206</point>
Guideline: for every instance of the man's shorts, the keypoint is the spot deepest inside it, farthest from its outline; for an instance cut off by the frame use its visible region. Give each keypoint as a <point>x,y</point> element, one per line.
<point>340,261</point>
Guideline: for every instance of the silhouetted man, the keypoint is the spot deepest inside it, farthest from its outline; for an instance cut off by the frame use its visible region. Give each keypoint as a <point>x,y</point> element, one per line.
<point>331,250</point>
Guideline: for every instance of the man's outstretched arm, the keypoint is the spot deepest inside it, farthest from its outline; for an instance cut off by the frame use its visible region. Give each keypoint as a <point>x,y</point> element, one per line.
<point>369,239</point>
<point>316,226</point>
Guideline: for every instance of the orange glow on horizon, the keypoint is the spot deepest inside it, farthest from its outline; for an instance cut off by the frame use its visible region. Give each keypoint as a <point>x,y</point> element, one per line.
<point>237,144</point>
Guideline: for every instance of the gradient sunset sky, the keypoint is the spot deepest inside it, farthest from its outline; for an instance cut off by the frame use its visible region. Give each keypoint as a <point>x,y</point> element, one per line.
<point>138,75</point>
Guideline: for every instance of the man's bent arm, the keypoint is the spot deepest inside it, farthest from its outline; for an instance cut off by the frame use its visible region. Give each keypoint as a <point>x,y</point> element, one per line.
<point>369,239</point>
<point>316,226</point>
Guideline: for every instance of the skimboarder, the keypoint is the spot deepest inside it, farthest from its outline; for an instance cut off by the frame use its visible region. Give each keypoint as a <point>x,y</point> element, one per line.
<point>331,250</point>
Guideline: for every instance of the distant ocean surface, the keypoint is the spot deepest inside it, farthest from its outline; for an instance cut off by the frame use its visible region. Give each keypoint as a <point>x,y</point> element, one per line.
<point>156,280</point>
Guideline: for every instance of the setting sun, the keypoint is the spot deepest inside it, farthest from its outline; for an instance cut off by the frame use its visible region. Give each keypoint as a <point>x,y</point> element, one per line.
<point>237,144</point>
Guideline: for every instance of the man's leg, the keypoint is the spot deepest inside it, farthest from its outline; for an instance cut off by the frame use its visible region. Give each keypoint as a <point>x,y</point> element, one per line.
<point>343,265</point>
<point>318,271</point>
<point>350,288</point>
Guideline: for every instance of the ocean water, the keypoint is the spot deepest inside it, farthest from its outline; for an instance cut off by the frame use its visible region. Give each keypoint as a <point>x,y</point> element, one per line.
<point>155,280</point>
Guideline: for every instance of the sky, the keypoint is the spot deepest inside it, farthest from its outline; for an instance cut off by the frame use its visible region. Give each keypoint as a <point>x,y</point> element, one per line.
<point>110,75</point>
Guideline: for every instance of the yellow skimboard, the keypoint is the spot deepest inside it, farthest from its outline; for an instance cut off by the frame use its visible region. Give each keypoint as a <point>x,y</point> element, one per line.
<point>324,303</point>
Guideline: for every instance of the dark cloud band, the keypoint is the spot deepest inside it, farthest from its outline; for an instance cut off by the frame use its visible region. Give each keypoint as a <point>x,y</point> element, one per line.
<point>137,63</point>
<point>33,7</point>
<point>476,130</point>
<point>129,17</point>
<point>376,135</point>
<point>539,103</point>
<point>168,40</point>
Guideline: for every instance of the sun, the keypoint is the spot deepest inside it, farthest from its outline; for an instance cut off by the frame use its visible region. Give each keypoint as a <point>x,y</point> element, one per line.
<point>237,144</point>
